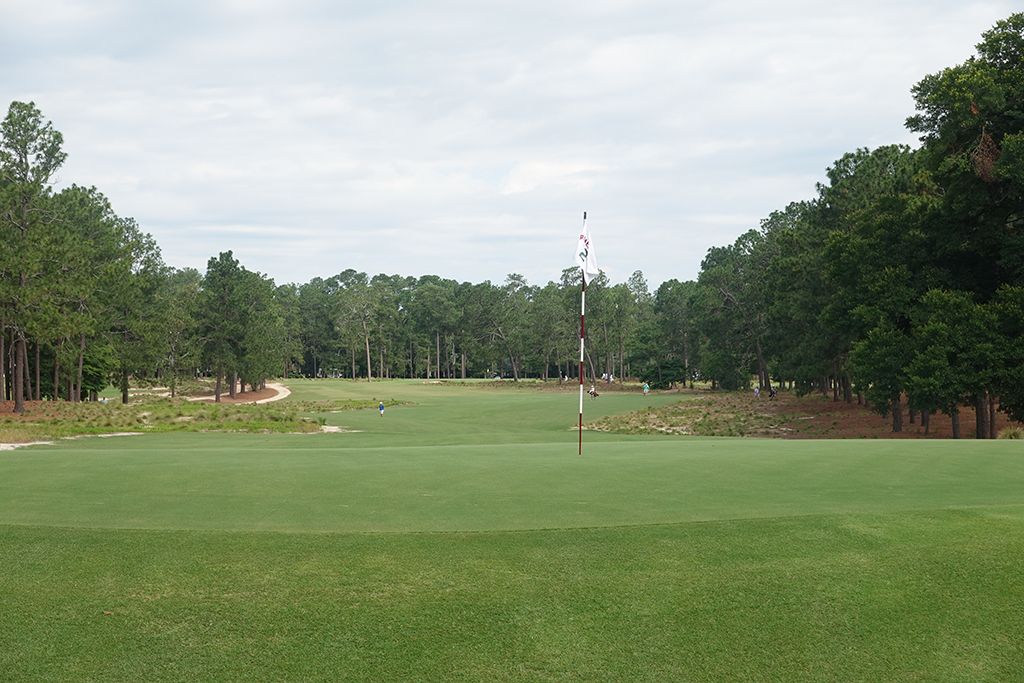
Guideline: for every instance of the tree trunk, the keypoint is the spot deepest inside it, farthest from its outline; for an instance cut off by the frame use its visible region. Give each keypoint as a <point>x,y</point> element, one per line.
<point>910,414</point>
<point>234,382</point>
<point>437,357</point>
<point>992,433</point>
<point>217,388</point>
<point>686,360</point>
<point>622,360</point>
<point>593,373</point>
<point>124,386</point>
<point>3,361</point>
<point>56,370</point>
<point>37,390</point>
<point>353,362</point>
<point>954,418</point>
<point>897,415</point>
<point>19,374</point>
<point>26,389</point>
<point>981,415</point>
<point>762,367</point>
<point>28,372</point>
<point>926,419</point>
<point>463,354</point>
<point>369,365</point>
<point>847,388</point>
<point>81,362</point>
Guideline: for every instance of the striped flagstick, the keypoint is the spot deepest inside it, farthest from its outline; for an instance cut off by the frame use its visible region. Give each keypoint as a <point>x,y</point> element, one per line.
<point>588,265</point>
<point>583,310</point>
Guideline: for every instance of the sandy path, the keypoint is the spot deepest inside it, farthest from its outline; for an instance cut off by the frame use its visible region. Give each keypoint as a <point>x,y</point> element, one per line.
<point>280,391</point>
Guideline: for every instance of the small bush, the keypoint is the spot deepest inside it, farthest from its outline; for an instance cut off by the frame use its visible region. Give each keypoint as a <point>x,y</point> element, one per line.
<point>1012,433</point>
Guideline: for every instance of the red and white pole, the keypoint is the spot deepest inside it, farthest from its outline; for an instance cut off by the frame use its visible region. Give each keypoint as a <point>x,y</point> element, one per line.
<point>583,310</point>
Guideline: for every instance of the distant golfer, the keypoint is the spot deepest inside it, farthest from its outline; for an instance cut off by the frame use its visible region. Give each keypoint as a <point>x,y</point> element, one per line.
<point>380,407</point>
<point>647,388</point>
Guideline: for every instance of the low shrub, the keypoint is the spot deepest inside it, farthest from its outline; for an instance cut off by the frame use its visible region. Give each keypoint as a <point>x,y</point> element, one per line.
<point>1012,433</point>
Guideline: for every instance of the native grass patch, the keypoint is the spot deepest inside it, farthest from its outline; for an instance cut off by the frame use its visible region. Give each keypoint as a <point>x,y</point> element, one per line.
<point>701,414</point>
<point>1012,433</point>
<point>789,416</point>
<point>155,387</point>
<point>61,419</point>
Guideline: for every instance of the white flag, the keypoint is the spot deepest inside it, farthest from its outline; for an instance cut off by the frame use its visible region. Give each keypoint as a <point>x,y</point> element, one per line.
<point>585,257</point>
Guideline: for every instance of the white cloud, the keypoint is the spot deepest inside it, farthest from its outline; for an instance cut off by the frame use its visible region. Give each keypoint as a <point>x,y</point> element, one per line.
<point>461,139</point>
<point>556,175</point>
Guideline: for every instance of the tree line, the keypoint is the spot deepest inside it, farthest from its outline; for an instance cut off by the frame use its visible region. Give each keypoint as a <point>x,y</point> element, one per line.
<point>900,283</point>
<point>903,280</point>
<point>86,299</point>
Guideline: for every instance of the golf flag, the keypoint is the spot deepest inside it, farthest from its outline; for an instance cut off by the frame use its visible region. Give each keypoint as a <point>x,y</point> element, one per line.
<point>585,257</point>
<point>587,262</point>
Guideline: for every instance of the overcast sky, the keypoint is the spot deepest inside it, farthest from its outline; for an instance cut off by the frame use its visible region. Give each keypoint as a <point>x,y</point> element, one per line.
<point>466,138</point>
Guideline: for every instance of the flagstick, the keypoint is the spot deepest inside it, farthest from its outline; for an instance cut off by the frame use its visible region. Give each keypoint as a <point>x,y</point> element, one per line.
<point>583,310</point>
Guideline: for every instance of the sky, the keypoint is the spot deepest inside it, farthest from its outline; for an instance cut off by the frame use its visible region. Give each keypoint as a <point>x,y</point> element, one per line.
<point>465,139</point>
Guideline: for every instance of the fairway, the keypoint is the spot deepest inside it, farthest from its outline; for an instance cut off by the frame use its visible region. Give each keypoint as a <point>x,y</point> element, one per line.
<point>461,537</point>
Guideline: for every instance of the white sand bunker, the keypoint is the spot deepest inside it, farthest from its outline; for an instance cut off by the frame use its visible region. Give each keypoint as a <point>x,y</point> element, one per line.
<point>12,446</point>
<point>76,437</point>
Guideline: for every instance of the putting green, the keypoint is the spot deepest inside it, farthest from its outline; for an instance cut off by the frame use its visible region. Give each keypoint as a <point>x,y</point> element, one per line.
<point>473,458</point>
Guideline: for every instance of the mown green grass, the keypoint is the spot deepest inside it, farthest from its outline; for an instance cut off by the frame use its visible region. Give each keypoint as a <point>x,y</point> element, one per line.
<point>460,537</point>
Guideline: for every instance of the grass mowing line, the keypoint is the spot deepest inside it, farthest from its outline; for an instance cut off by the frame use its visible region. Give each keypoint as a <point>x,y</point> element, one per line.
<point>606,439</point>
<point>569,444</point>
<point>895,513</point>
